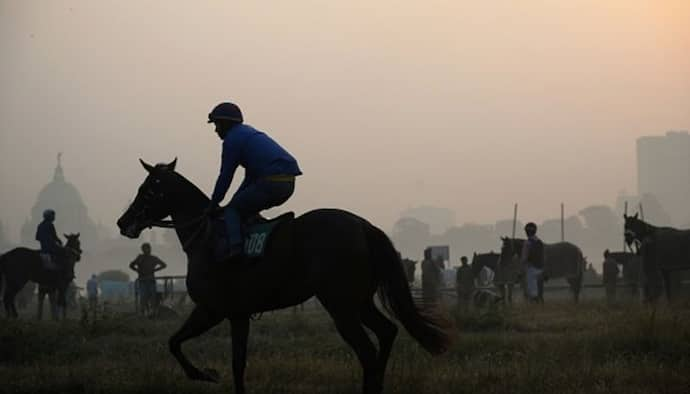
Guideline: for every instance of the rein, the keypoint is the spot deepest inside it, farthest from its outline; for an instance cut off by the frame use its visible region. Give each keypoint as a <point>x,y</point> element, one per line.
<point>202,228</point>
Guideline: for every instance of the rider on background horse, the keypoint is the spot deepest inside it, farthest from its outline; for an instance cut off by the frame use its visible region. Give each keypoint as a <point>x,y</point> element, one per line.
<point>269,179</point>
<point>48,238</point>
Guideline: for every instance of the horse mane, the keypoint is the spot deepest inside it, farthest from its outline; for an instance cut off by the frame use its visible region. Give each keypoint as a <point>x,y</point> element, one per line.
<point>189,188</point>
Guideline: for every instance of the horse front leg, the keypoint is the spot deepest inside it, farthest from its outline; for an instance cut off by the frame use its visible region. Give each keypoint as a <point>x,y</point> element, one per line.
<point>240,334</point>
<point>52,300</point>
<point>198,322</point>
<point>61,304</point>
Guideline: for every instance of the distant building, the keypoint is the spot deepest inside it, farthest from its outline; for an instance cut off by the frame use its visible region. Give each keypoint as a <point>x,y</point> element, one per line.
<point>663,170</point>
<point>71,213</point>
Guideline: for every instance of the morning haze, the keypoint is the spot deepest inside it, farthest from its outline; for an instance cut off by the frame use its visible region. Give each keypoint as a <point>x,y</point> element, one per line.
<point>387,106</point>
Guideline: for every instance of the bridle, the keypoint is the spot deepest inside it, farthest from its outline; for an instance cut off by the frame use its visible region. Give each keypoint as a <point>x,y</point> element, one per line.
<point>203,221</point>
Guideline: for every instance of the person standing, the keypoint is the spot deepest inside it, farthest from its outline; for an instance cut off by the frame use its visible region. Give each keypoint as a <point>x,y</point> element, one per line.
<point>431,278</point>
<point>92,293</point>
<point>146,265</point>
<point>464,283</point>
<point>533,258</point>
<point>610,279</point>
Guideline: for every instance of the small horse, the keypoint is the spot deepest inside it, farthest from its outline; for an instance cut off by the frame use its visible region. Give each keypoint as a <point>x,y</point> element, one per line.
<point>338,257</point>
<point>561,260</point>
<point>663,249</point>
<point>21,265</point>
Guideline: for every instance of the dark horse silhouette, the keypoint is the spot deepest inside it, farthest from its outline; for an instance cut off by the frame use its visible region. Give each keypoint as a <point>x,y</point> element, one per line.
<point>663,249</point>
<point>561,260</point>
<point>21,265</point>
<point>334,255</point>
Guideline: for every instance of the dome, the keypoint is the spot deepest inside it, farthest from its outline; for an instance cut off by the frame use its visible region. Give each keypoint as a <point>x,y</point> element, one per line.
<point>71,214</point>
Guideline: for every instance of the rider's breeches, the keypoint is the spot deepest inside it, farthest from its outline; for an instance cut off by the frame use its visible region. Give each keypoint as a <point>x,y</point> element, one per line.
<point>254,198</point>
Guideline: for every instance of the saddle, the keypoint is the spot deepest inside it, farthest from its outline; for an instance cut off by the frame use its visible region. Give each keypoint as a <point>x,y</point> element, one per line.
<point>256,231</point>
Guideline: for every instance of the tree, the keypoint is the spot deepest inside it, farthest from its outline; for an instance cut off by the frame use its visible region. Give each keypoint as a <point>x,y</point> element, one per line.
<point>411,236</point>
<point>114,275</point>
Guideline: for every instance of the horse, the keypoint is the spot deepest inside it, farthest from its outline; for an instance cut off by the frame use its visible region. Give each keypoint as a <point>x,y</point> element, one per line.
<point>561,260</point>
<point>332,254</point>
<point>21,265</point>
<point>506,273</point>
<point>663,249</point>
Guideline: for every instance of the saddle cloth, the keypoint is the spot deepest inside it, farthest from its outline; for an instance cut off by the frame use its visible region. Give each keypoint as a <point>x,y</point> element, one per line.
<point>256,232</point>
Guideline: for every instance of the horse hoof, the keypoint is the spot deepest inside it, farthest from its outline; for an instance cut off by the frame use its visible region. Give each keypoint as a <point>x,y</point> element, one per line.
<point>207,375</point>
<point>212,375</point>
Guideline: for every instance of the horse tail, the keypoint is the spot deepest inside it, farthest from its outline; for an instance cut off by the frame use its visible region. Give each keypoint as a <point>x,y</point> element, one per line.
<point>427,327</point>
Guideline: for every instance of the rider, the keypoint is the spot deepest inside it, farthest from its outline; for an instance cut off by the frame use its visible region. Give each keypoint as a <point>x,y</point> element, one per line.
<point>269,178</point>
<point>47,236</point>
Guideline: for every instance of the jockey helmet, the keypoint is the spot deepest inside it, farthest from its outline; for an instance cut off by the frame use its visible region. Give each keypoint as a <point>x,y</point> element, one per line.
<point>49,214</point>
<point>226,111</point>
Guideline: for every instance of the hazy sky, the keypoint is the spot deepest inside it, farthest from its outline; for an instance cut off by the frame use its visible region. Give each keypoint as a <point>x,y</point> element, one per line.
<point>386,104</point>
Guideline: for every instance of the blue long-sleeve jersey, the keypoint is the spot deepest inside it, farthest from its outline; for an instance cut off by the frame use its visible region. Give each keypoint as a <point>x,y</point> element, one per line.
<point>260,156</point>
<point>47,236</point>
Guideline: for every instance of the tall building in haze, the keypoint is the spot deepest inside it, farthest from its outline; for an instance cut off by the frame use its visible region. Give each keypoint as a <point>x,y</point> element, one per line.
<point>663,170</point>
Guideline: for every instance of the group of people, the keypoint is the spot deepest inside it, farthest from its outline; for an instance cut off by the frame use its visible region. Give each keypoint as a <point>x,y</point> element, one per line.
<point>145,265</point>
<point>532,258</point>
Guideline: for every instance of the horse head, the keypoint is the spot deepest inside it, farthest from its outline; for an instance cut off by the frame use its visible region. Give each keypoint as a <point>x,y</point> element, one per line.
<point>151,202</point>
<point>635,229</point>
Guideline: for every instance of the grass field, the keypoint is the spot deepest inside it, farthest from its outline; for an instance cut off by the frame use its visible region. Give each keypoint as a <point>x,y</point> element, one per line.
<point>556,348</point>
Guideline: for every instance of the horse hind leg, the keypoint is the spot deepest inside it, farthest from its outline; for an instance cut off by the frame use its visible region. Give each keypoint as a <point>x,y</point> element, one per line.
<point>385,332</point>
<point>8,301</point>
<point>41,295</point>
<point>349,326</point>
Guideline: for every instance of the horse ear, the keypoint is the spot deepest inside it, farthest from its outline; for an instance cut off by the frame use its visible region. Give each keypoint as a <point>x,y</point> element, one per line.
<point>636,215</point>
<point>147,167</point>
<point>65,235</point>
<point>172,164</point>
<point>625,216</point>
<point>77,235</point>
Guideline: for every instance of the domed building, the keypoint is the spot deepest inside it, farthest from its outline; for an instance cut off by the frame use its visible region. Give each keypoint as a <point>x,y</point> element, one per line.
<point>71,214</point>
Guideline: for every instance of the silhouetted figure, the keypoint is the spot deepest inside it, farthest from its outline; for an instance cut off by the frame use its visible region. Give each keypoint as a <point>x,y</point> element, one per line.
<point>464,282</point>
<point>432,269</point>
<point>51,245</point>
<point>610,279</point>
<point>410,267</point>
<point>533,257</point>
<point>269,179</point>
<point>92,293</point>
<point>146,265</point>
<point>20,265</point>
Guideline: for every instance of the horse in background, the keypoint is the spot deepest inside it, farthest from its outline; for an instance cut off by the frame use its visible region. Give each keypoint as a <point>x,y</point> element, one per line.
<point>21,265</point>
<point>561,260</point>
<point>664,249</point>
